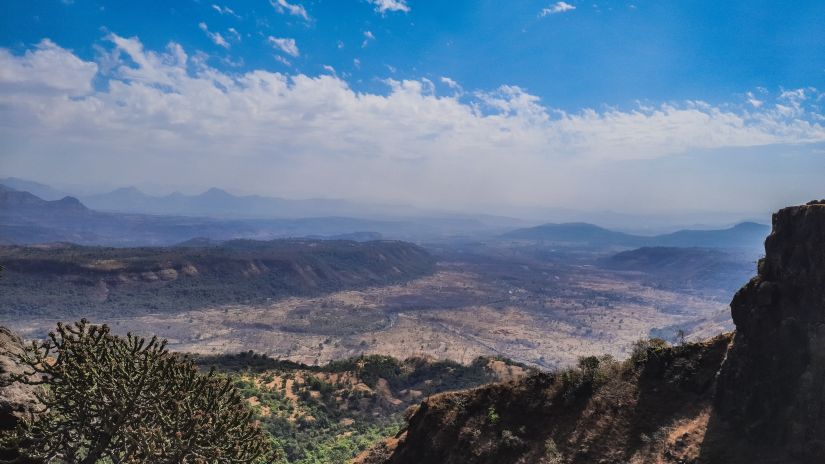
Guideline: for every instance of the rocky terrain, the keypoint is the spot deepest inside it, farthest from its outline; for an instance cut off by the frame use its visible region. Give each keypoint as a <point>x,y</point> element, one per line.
<point>17,401</point>
<point>756,396</point>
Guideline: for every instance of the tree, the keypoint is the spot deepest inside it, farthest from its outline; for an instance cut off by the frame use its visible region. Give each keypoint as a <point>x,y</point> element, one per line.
<point>126,400</point>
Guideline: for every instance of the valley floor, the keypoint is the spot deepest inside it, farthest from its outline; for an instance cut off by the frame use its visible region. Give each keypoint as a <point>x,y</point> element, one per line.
<point>542,314</point>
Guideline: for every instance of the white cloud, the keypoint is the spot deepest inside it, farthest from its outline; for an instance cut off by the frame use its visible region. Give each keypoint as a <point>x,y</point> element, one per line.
<point>367,38</point>
<point>47,68</point>
<point>329,69</point>
<point>224,10</point>
<point>755,102</point>
<point>558,7</point>
<point>235,33</point>
<point>167,116</point>
<point>383,6</point>
<point>286,45</point>
<point>282,6</point>
<point>282,60</point>
<point>216,37</point>
<point>450,83</point>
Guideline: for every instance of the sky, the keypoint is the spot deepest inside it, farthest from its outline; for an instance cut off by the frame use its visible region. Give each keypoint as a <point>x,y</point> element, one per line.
<point>477,106</point>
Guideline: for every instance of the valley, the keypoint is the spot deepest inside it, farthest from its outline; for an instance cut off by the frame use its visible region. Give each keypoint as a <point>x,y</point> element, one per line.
<point>319,289</point>
<point>533,305</point>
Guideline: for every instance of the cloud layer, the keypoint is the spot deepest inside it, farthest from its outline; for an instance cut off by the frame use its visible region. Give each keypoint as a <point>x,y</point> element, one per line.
<point>138,115</point>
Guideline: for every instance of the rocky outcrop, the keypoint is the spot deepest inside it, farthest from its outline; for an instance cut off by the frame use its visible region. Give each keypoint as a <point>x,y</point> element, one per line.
<point>16,399</point>
<point>772,385</point>
<point>755,397</point>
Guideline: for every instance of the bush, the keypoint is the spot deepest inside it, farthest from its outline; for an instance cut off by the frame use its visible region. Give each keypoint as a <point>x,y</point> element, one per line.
<point>114,399</point>
<point>648,349</point>
<point>597,370</point>
<point>492,415</point>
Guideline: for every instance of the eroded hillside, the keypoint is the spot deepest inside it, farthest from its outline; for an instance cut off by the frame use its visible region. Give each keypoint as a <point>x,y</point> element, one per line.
<point>69,280</point>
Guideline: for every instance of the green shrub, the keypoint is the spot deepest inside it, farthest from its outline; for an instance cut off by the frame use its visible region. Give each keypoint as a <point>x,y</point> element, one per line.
<point>644,350</point>
<point>113,399</point>
<point>492,415</point>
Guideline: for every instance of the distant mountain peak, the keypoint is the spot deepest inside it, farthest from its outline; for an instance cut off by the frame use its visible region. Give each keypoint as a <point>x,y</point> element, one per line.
<point>750,225</point>
<point>214,191</point>
<point>69,202</point>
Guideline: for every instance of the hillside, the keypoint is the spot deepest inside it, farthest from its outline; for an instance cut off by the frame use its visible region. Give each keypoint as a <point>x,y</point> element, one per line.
<point>751,397</point>
<point>69,280</point>
<point>710,270</point>
<point>328,413</point>
<point>313,414</point>
<point>574,232</point>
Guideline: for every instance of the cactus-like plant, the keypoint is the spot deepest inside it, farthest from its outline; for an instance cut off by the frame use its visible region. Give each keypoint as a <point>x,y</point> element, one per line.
<point>126,399</point>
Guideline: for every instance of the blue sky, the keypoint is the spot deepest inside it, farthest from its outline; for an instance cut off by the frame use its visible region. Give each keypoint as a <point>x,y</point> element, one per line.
<point>470,104</point>
<point>600,53</point>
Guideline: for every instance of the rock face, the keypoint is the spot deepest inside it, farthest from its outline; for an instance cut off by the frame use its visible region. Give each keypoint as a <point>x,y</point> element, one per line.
<point>772,385</point>
<point>16,399</point>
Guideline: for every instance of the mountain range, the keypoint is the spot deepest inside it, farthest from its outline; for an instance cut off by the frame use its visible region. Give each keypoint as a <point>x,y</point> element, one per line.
<point>28,219</point>
<point>128,217</point>
<point>742,235</point>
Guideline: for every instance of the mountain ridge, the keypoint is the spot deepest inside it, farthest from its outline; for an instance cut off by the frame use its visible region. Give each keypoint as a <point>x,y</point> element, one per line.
<point>745,234</point>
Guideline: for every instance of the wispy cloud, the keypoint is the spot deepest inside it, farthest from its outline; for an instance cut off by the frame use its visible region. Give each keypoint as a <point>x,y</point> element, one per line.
<point>558,7</point>
<point>216,37</point>
<point>295,9</point>
<point>383,6</point>
<point>368,36</point>
<point>224,10</point>
<point>164,113</point>
<point>286,45</point>
<point>450,83</point>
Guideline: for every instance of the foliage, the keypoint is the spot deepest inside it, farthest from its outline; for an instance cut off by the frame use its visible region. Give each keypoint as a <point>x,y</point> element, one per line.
<point>128,400</point>
<point>643,350</point>
<point>326,416</point>
<point>492,415</point>
<point>597,370</point>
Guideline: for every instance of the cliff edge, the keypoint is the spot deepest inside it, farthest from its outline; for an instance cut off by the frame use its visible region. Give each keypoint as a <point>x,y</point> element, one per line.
<point>772,384</point>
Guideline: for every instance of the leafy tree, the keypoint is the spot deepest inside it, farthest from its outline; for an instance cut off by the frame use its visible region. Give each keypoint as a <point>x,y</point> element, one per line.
<point>127,400</point>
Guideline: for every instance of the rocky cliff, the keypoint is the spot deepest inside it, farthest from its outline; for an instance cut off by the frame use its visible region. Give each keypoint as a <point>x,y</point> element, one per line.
<point>756,396</point>
<point>16,399</point>
<point>772,385</point>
